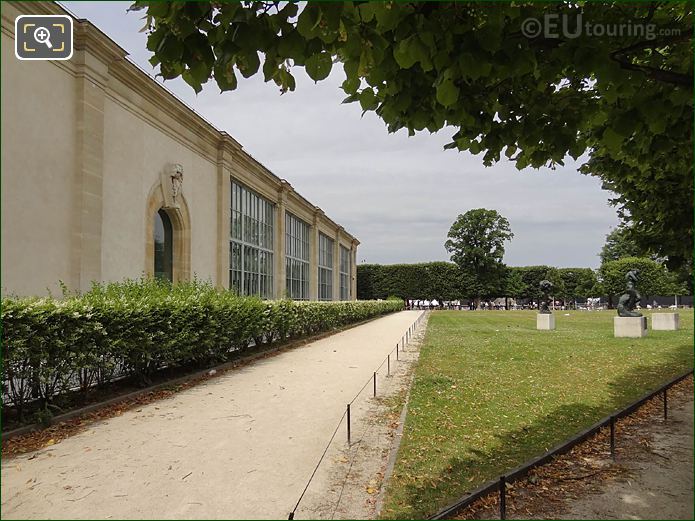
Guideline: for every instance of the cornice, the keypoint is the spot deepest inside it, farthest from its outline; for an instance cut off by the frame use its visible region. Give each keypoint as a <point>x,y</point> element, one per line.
<point>86,37</point>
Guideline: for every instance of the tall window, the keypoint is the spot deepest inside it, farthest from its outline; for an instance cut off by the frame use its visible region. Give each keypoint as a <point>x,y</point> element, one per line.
<point>344,273</point>
<point>296,257</point>
<point>325,267</point>
<point>251,244</point>
<point>163,247</point>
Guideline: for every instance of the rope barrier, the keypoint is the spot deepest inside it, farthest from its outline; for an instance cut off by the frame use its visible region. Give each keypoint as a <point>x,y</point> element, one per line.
<point>291,516</point>
<point>325,451</point>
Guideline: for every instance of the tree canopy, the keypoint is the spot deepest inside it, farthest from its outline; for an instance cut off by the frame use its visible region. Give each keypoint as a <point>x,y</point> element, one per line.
<point>654,278</point>
<point>535,82</point>
<point>619,244</point>
<point>577,283</point>
<point>476,244</point>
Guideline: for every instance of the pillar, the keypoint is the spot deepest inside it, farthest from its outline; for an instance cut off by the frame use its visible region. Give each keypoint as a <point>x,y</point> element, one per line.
<point>280,239</point>
<point>314,255</point>
<point>91,80</point>
<point>226,149</point>
<point>353,269</point>
<point>336,265</point>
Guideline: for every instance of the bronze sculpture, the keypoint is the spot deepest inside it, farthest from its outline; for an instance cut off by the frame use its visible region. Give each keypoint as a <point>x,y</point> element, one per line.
<point>546,287</point>
<point>628,300</point>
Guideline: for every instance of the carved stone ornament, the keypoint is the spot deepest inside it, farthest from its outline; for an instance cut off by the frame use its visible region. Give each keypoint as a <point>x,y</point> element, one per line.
<point>176,180</point>
<point>171,182</point>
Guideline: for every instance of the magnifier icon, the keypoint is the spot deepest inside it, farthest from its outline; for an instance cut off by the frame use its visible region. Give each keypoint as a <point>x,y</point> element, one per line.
<point>42,35</point>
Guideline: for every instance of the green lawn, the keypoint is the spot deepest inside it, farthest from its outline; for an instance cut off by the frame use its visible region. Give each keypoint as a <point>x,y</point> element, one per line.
<point>491,392</point>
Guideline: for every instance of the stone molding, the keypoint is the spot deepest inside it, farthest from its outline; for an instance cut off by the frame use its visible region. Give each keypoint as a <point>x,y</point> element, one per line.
<point>180,218</point>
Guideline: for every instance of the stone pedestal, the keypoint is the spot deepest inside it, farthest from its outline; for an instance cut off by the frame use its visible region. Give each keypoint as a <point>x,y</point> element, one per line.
<point>545,321</point>
<point>665,321</point>
<point>630,327</point>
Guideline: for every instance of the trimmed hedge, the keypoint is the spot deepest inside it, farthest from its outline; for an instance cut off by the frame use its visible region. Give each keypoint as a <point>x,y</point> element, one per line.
<point>446,281</point>
<point>440,280</point>
<point>136,328</point>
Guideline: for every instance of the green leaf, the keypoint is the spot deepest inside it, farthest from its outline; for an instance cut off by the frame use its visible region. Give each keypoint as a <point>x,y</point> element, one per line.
<point>225,76</point>
<point>473,67</point>
<point>447,93</point>
<point>170,48</point>
<point>189,78</point>
<point>292,45</point>
<point>405,54</point>
<point>612,140</point>
<point>308,21</point>
<point>366,12</point>
<point>248,64</point>
<point>318,66</point>
<point>387,14</point>
<point>368,100</point>
<point>351,85</point>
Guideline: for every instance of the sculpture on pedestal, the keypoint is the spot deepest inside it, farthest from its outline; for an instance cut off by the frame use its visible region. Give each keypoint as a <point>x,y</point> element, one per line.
<point>628,300</point>
<point>546,287</point>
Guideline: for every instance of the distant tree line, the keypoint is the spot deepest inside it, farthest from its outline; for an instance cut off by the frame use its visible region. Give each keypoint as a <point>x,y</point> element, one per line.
<point>447,281</point>
<point>476,243</point>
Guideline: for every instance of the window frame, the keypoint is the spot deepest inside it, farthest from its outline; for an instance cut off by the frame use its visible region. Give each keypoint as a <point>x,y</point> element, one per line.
<point>251,242</point>
<point>344,271</point>
<point>325,265</point>
<point>297,257</point>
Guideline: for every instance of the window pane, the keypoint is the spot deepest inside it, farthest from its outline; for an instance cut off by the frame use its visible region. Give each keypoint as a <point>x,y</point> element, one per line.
<point>163,247</point>
<point>251,257</point>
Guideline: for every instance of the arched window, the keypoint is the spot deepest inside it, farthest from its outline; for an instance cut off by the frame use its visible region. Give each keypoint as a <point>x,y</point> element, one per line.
<point>163,247</point>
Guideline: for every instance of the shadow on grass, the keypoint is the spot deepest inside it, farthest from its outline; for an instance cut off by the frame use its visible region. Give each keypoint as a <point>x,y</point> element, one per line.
<point>514,448</point>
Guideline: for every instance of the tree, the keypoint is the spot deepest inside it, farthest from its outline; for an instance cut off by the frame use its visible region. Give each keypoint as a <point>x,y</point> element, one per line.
<point>654,278</point>
<point>577,283</point>
<point>532,277</point>
<point>536,82</point>
<point>513,286</point>
<point>476,243</point>
<point>619,243</point>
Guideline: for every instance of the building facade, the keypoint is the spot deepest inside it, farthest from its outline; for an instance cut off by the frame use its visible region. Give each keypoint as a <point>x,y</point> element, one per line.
<point>106,175</point>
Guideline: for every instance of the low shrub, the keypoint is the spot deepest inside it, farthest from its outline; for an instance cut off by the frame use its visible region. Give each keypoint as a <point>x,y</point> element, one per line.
<point>136,328</point>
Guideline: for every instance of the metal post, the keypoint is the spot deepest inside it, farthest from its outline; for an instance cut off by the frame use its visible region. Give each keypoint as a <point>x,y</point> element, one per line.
<point>665,406</point>
<point>396,352</point>
<point>613,437</point>
<point>503,498</point>
<point>348,422</point>
<point>388,365</point>
<point>374,384</point>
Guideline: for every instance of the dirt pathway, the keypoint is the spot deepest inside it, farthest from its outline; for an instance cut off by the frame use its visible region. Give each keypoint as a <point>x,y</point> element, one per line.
<point>659,478</point>
<point>350,482</point>
<point>240,446</point>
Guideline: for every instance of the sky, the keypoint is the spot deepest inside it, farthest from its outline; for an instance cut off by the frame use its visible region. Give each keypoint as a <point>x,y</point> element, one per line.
<point>398,195</point>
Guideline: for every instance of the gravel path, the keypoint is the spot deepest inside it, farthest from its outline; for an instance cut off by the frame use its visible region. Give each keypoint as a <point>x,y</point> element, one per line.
<point>660,482</point>
<point>240,446</point>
